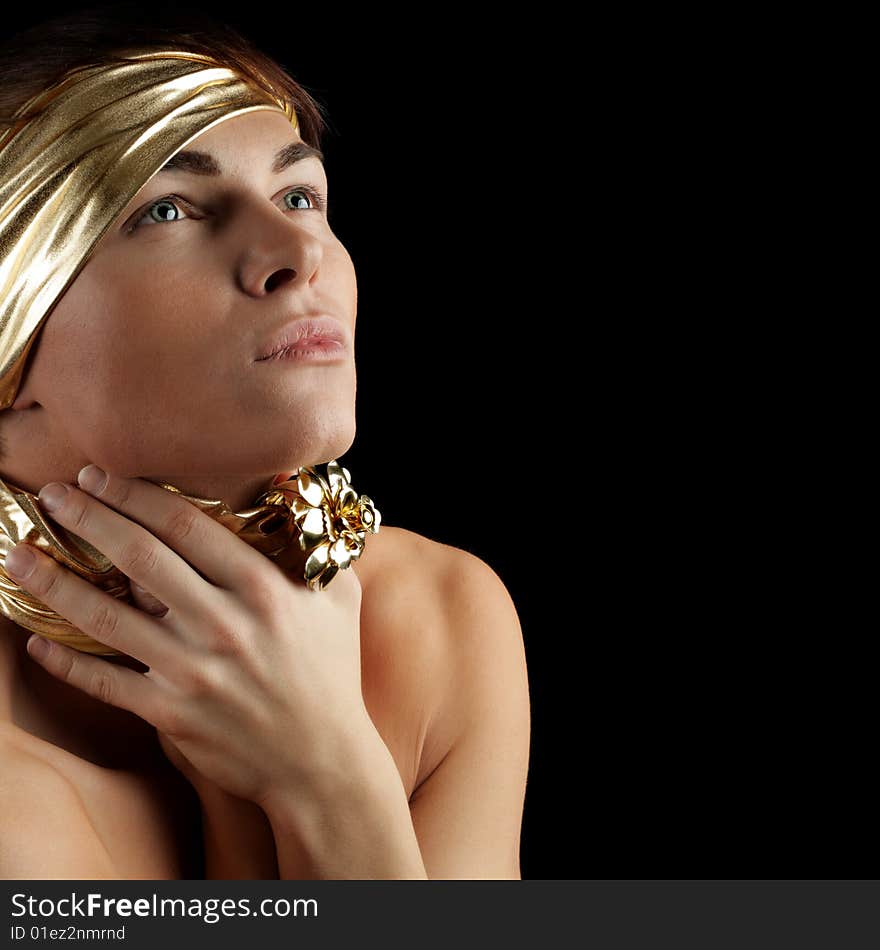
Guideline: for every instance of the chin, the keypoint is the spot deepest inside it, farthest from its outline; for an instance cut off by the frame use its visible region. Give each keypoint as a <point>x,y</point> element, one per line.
<point>332,444</point>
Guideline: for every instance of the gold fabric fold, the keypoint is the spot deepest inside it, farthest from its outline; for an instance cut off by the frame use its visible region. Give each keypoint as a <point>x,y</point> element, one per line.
<point>78,154</point>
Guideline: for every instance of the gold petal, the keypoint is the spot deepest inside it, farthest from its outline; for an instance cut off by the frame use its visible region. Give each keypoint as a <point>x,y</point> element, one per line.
<point>300,507</point>
<point>348,499</point>
<point>339,554</point>
<point>326,576</point>
<point>375,519</point>
<point>336,477</point>
<point>314,525</point>
<point>311,488</point>
<point>317,561</point>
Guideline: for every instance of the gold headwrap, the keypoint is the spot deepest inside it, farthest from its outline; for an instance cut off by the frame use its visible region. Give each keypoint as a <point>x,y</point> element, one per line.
<point>78,153</point>
<point>100,134</point>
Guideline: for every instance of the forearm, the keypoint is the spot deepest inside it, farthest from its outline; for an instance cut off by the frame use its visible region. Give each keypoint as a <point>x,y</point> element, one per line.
<point>238,841</point>
<point>356,826</point>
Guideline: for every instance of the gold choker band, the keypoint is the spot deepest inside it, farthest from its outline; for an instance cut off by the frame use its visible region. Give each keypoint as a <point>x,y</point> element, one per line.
<point>313,523</point>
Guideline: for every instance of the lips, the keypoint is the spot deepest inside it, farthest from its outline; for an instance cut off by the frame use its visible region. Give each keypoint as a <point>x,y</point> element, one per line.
<point>304,331</point>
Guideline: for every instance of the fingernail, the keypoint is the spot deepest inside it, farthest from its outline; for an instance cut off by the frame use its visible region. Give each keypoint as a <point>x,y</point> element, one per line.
<point>37,645</point>
<point>282,477</point>
<point>20,562</point>
<point>92,479</point>
<point>52,495</point>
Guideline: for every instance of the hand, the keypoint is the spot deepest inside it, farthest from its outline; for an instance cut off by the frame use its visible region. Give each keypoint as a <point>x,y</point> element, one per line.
<point>254,678</point>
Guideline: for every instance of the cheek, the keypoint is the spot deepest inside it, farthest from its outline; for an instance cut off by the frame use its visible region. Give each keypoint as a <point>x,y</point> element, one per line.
<point>120,355</point>
<point>137,321</point>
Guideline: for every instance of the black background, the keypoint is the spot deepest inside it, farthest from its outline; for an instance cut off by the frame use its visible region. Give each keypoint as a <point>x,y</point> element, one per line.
<point>529,391</point>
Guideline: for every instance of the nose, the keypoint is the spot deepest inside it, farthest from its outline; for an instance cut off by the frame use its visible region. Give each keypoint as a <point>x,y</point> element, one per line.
<point>277,251</point>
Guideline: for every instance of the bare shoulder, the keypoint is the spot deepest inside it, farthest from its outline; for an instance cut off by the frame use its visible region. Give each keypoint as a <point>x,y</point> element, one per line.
<point>420,577</point>
<point>398,548</point>
<point>26,777</point>
<point>421,558</point>
<point>45,832</point>
<point>434,612</point>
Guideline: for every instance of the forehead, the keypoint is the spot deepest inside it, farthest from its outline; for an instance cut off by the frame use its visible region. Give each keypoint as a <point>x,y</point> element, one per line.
<point>257,144</point>
<point>261,128</point>
<point>259,147</point>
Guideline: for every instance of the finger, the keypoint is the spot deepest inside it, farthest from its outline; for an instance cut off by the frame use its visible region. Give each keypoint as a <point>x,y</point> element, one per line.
<point>140,555</point>
<point>114,685</point>
<point>213,550</point>
<point>147,602</point>
<point>96,613</point>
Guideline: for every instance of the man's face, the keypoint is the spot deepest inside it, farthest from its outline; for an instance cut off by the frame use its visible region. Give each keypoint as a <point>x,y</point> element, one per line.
<point>148,362</point>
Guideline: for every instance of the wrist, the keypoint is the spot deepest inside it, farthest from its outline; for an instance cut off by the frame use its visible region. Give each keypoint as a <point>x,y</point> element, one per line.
<point>350,764</point>
<point>354,823</point>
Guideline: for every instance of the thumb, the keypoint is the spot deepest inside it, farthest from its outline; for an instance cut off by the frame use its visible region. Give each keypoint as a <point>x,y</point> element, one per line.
<point>282,477</point>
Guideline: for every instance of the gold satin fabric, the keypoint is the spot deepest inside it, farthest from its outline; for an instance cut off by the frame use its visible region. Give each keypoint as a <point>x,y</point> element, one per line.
<point>92,141</point>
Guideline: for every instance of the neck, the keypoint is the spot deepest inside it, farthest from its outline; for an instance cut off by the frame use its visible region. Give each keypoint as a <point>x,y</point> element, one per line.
<point>36,452</point>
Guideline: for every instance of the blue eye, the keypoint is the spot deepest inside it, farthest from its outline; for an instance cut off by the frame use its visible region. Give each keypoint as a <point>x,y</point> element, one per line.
<point>319,201</point>
<point>315,196</point>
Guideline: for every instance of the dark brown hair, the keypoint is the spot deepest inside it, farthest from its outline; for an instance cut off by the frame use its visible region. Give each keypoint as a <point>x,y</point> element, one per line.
<point>34,58</point>
<point>39,55</point>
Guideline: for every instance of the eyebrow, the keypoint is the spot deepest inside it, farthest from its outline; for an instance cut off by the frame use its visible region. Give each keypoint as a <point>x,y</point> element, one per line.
<point>201,163</point>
